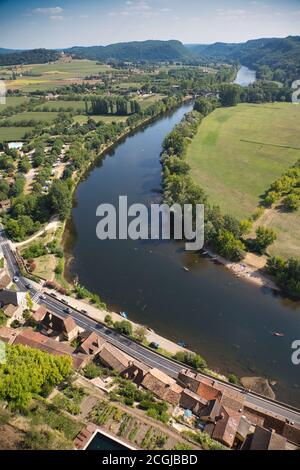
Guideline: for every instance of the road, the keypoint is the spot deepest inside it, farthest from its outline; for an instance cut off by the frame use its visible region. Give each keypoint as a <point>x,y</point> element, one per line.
<point>139,352</point>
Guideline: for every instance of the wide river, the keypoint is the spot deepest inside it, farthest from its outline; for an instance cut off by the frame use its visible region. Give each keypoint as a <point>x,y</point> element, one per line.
<point>228,320</point>
<point>245,76</point>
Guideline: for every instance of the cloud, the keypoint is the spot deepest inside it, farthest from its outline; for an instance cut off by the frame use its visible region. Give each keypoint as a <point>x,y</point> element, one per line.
<point>232,14</point>
<point>53,11</point>
<point>56,18</point>
<point>134,8</point>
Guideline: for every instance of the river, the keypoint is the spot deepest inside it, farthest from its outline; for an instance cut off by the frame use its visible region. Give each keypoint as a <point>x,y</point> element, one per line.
<point>228,320</point>
<point>245,76</point>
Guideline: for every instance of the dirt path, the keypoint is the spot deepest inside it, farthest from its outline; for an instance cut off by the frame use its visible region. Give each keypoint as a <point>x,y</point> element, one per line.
<point>54,224</point>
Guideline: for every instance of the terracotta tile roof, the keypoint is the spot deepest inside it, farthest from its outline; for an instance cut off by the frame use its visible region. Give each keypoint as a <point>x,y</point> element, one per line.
<point>59,323</point>
<point>264,439</point>
<point>162,386</point>
<point>226,427</point>
<point>114,358</point>
<point>39,314</point>
<point>8,335</point>
<point>10,310</point>
<point>5,280</point>
<point>36,340</point>
<point>92,344</point>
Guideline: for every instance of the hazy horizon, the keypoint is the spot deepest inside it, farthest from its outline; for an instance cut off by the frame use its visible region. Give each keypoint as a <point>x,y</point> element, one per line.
<point>65,23</point>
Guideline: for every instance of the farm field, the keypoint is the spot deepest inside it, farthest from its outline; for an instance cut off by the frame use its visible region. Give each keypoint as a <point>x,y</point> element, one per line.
<point>13,133</point>
<point>35,116</point>
<point>51,76</point>
<point>238,152</point>
<point>14,101</point>
<point>62,104</point>
<point>149,100</point>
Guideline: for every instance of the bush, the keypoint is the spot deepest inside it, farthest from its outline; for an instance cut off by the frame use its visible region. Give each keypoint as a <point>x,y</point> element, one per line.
<point>108,320</point>
<point>191,359</point>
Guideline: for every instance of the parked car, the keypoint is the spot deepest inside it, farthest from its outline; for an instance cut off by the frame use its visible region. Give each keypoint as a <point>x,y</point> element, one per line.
<point>28,285</point>
<point>154,345</point>
<point>83,311</point>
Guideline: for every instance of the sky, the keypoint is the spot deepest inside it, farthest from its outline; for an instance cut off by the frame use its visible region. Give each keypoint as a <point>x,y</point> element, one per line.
<point>64,23</point>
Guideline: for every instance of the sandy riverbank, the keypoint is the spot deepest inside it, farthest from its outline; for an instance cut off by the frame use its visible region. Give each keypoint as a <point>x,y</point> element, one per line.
<point>249,269</point>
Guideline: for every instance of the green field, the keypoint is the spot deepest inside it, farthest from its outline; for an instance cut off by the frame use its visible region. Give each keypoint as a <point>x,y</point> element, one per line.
<point>57,104</point>
<point>13,133</point>
<point>14,101</point>
<point>238,152</point>
<point>32,115</point>
<point>82,119</point>
<point>149,100</point>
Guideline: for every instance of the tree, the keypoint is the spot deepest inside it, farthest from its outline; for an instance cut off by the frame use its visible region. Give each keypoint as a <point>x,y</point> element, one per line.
<point>124,327</point>
<point>229,246</point>
<point>203,106</point>
<point>292,202</point>
<point>264,238</point>
<point>140,333</point>
<point>191,359</point>
<point>230,95</point>
<point>59,199</point>
<point>3,318</point>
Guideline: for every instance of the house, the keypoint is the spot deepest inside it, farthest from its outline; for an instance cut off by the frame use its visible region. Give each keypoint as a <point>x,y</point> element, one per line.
<point>12,303</point>
<point>33,339</point>
<point>5,205</point>
<point>112,357</point>
<point>59,326</point>
<point>91,344</point>
<point>5,281</point>
<point>39,314</point>
<point>191,401</point>
<point>136,372</point>
<point>264,439</point>
<point>210,412</point>
<point>162,386</point>
<point>8,335</point>
<point>226,427</point>
<point>243,429</point>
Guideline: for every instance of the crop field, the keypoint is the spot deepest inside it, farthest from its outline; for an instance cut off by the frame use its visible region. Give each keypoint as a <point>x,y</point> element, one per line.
<point>13,133</point>
<point>35,116</point>
<point>238,152</point>
<point>51,76</point>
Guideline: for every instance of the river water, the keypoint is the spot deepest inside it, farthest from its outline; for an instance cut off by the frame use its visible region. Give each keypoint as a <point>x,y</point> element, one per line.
<point>245,76</point>
<point>228,320</point>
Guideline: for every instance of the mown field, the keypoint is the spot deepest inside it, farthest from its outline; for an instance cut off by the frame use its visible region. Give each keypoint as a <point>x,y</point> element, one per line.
<point>13,101</point>
<point>238,152</point>
<point>34,116</point>
<point>13,133</point>
<point>63,105</point>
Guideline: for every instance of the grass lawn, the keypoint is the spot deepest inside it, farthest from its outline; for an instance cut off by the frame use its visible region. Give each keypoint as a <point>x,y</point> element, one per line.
<point>82,119</point>
<point>35,116</point>
<point>238,152</point>
<point>45,266</point>
<point>13,133</point>
<point>287,227</point>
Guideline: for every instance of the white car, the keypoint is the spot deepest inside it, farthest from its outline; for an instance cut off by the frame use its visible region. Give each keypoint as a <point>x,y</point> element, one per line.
<point>15,279</point>
<point>43,297</point>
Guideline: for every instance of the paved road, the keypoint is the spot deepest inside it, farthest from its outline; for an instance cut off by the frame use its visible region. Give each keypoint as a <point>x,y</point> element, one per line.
<point>151,358</point>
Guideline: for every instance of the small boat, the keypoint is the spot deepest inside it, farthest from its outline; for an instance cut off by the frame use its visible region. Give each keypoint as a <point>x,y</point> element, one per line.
<point>185,268</point>
<point>181,344</point>
<point>279,335</point>
<point>124,315</point>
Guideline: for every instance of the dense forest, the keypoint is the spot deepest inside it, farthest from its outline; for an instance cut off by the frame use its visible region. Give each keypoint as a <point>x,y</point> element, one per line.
<point>275,58</point>
<point>148,51</point>
<point>35,56</point>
